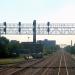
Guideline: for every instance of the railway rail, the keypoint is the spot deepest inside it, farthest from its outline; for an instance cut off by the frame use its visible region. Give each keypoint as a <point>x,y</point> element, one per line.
<point>16,67</point>
<point>60,63</point>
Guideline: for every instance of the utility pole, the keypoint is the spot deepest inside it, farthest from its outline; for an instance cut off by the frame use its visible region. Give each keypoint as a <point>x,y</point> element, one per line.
<point>71,43</point>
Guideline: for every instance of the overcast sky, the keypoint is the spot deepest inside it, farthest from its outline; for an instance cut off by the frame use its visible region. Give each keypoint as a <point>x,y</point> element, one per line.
<point>55,11</point>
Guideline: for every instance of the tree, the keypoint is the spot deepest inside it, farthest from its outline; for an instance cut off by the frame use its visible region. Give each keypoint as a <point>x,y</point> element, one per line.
<point>70,49</point>
<point>14,48</point>
<point>3,47</point>
<point>48,49</point>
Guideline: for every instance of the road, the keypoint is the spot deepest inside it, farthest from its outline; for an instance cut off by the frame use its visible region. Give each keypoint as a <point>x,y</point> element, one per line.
<point>59,63</point>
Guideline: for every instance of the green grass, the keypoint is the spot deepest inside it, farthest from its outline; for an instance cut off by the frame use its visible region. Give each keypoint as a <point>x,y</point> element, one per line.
<point>10,60</point>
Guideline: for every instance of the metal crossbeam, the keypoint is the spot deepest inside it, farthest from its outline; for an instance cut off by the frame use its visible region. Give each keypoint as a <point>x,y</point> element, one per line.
<point>41,29</point>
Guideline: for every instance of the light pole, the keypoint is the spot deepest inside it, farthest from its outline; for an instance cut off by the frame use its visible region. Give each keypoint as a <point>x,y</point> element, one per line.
<point>0,32</point>
<point>71,43</point>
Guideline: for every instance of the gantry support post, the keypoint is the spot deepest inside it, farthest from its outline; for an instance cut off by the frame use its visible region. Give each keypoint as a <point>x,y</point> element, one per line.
<point>34,36</point>
<point>34,31</point>
<point>0,32</point>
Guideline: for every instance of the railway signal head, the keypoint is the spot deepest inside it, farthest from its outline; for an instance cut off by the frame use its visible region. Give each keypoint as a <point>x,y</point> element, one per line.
<point>34,23</point>
<point>19,30</point>
<point>4,23</point>
<point>48,23</point>
<point>4,27</point>
<point>19,23</point>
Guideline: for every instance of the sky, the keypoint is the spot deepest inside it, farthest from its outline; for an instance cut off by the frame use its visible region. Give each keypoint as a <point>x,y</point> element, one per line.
<point>55,11</point>
<point>41,10</point>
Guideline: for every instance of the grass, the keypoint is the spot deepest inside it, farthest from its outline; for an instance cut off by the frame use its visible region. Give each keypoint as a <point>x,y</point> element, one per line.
<point>10,60</point>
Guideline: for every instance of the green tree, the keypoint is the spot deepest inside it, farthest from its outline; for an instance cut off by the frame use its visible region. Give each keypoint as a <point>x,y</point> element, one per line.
<point>3,47</point>
<point>14,48</point>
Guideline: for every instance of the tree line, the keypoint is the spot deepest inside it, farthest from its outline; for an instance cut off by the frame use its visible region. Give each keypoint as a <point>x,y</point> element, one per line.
<point>8,48</point>
<point>14,48</point>
<point>70,49</point>
<point>49,49</point>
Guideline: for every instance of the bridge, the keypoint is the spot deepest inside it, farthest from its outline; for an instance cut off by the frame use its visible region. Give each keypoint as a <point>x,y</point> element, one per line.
<point>41,28</point>
<point>37,29</point>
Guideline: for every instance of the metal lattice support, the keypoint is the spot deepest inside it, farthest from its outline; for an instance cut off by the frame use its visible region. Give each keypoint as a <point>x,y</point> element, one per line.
<point>41,29</point>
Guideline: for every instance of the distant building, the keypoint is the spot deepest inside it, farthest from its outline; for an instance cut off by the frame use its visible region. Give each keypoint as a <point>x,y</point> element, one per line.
<point>47,42</point>
<point>33,48</point>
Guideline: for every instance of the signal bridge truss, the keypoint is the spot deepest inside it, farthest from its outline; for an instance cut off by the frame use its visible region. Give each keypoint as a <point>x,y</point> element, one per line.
<point>41,29</point>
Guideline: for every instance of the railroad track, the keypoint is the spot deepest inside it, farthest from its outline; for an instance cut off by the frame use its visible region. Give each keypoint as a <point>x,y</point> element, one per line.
<point>67,64</point>
<point>63,63</point>
<point>60,63</point>
<point>37,68</point>
<point>44,67</point>
<point>5,67</point>
<point>14,68</point>
<point>70,63</point>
